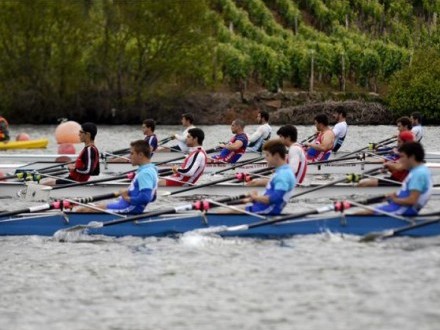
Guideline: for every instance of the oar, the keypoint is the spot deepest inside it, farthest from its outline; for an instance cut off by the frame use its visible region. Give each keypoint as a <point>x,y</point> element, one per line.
<point>229,178</point>
<point>59,204</point>
<point>358,157</point>
<point>34,173</point>
<point>128,176</point>
<point>393,232</point>
<point>308,138</point>
<point>348,178</point>
<point>43,169</point>
<point>364,148</point>
<point>126,150</point>
<point>250,161</point>
<point>171,210</point>
<point>337,206</point>
<point>208,151</point>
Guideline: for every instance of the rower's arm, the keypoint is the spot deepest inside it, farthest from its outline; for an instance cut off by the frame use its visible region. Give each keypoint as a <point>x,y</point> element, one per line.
<point>408,201</point>
<point>234,146</point>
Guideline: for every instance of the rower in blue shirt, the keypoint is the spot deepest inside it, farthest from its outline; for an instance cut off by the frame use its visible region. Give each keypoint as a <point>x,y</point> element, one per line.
<point>417,187</point>
<point>280,187</point>
<point>142,189</point>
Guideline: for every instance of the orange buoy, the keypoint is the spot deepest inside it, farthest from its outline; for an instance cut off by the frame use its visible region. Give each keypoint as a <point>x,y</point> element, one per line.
<point>22,137</point>
<point>67,132</point>
<point>66,148</point>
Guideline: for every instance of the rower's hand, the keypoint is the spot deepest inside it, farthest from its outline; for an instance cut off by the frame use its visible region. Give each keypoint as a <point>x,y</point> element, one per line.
<point>253,195</point>
<point>124,194</point>
<point>222,145</point>
<point>71,167</point>
<point>175,168</point>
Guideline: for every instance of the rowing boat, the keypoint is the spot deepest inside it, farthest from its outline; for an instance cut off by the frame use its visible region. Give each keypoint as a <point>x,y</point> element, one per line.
<point>35,192</point>
<point>46,224</point>
<point>158,157</point>
<point>29,144</point>
<point>321,169</point>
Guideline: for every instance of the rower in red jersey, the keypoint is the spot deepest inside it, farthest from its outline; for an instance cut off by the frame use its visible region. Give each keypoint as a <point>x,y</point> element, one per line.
<point>194,164</point>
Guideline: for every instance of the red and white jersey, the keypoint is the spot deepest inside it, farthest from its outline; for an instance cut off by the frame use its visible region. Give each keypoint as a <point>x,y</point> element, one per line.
<point>192,167</point>
<point>297,161</point>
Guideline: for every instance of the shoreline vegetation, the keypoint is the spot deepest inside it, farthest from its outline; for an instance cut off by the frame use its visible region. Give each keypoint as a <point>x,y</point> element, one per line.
<point>119,62</point>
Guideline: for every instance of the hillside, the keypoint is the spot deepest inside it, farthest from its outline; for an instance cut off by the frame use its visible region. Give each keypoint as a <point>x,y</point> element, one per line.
<point>336,44</point>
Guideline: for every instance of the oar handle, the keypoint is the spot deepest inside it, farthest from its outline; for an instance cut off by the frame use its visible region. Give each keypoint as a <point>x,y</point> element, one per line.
<point>186,207</point>
<point>250,161</point>
<point>123,176</point>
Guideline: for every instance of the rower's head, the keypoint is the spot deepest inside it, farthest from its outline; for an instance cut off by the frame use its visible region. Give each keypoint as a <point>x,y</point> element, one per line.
<point>140,152</point>
<point>148,126</point>
<point>405,136</point>
<point>321,122</point>
<point>416,118</point>
<point>340,114</point>
<point>403,124</point>
<point>262,117</point>
<point>237,126</point>
<point>195,137</point>
<point>275,152</point>
<point>88,132</point>
<point>411,154</point>
<point>288,134</point>
<point>187,119</point>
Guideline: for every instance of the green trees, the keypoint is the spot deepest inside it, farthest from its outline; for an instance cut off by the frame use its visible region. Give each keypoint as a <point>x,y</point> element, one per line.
<point>83,58</point>
<point>417,87</point>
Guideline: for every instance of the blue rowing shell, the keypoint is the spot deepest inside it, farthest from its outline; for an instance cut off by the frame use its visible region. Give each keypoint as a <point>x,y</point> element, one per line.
<point>47,225</point>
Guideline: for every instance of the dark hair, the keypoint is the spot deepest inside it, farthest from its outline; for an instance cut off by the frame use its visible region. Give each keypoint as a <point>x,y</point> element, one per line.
<point>189,117</point>
<point>264,115</point>
<point>342,112</point>
<point>289,131</point>
<point>91,128</point>
<point>141,146</point>
<point>404,121</point>
<point>275,147</point>
<point>240,122</point>
<point>417,116</point>
<point>413,149</point>
<point>321,119</point>
<point>197,133</point>
<point>150,123</point>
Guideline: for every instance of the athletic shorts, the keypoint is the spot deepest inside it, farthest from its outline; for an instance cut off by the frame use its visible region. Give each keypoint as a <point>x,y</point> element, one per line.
<point>172,183</point>
<point>397,209</point>
<point>124,207</point>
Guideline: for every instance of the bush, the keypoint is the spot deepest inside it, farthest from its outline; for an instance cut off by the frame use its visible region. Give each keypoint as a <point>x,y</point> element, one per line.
<point>417,87</point>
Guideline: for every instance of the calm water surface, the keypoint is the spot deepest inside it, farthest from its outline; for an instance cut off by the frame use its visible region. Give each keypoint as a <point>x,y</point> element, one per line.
<point>313,282</point>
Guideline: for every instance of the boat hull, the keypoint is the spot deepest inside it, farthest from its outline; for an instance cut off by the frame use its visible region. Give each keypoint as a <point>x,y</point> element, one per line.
<point>47,225</point>
<point>312,169</point>
<point>39,193</point>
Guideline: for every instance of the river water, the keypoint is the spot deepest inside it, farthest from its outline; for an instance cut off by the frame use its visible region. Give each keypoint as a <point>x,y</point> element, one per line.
<point>313,282</point>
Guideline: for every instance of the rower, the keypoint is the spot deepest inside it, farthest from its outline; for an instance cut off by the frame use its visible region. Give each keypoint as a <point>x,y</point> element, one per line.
<point>187,121</point>
<point>404,124</point>
<point>320,149</point>
<point>142,189</point>
<point>417,129</point>
<point>296,157</point>
<point>194,164</point>
<point>340,129</point>
<point>417,187</point>
<point>86,164</point>
<point>235,148</point>
<point>279,188</point>
<point>262,134</point>
<point>398,172</point>
<point>148,127</point>
<point>4,130</point>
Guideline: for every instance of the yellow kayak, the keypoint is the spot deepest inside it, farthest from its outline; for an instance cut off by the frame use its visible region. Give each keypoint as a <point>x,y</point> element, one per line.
<point>30,144</point>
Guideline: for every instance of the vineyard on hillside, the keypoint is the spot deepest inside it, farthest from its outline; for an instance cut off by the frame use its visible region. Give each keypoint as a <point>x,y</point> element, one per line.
<point>333,42</point>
